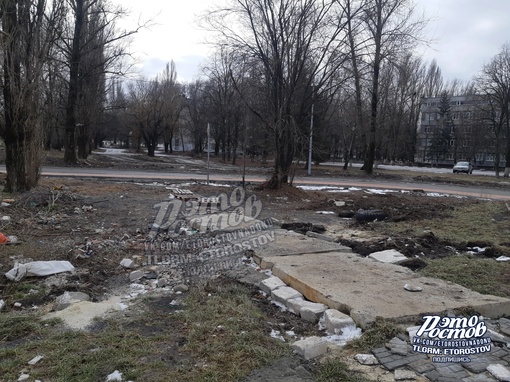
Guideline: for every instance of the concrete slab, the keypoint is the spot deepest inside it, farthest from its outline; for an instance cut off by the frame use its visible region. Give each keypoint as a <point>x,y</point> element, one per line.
<point>388,256</point>
<point>365,288</point>
<point>287,243</point>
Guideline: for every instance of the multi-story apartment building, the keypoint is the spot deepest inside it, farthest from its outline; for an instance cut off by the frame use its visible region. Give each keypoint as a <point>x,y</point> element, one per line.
<point>462,133</point>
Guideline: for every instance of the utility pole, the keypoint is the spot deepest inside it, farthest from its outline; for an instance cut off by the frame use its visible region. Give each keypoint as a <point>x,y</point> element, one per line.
<point>310,145</point>
<point>208,149</point>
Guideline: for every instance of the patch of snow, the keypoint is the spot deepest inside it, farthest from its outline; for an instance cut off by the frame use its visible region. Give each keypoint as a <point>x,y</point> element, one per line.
<point>115,376</point>
<point>276,334</point>
<point>122,306</point>
<point>349,333</point>
<point>435,195</point>
<point>154,184</point>
<point>319,188</point>
<point>476,250</point>
<point>503,258</point>
<point>378,192</point>
<point>325,212</point>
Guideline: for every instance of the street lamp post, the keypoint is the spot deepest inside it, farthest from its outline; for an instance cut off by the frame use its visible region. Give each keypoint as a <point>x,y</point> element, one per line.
<point>310,144</point>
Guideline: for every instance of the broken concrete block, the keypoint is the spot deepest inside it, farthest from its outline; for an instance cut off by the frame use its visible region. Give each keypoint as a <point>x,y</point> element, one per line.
<point>320,236</point>
<point>500,372</point>
<point>181,288</point>
<point>335,321</point>
<point>36,359</point>
<point>366,359</point>
<point>2,304</point>
<point>397,346</point>
<point>284,294</point>
<point>310,347</point>
<point>504,324</point>
<point>295,304</point>
<point>135,275</point>
<point>313,312</point>
<point>412,288</point>
<point>309,311</point>
<point>23,377</point>
<point>127,263</point>
<point>389,256</point>
<point>404,375</point>
<point>270,284</point>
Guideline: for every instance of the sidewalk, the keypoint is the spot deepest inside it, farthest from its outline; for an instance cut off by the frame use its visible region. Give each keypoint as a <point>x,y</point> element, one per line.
<point>328,273</point>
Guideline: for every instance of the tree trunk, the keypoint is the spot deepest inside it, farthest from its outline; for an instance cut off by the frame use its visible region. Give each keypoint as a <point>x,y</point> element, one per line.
<point>370,154</point>
<point>72,98</point>
<point>21,131</point>
<point>22,161</point>
<point>151,150</point>
<point>83,142</point>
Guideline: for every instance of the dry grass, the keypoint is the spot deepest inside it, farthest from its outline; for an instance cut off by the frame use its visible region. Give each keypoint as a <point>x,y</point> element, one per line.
<point>482,275</point>
<point>224,337</point>
<point>484,221</point>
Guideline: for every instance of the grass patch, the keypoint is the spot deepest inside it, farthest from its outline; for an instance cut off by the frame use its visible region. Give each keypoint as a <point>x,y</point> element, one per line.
<point>480,274</point>
<point>25,292</point>
<point>332,370</point>
<point>376,335</point>
<point>229,332</point>
<point>219,336</point>
<point>476,221</point>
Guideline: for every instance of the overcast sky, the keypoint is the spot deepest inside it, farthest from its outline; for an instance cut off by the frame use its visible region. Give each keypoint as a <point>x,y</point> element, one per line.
<point>466,34</point>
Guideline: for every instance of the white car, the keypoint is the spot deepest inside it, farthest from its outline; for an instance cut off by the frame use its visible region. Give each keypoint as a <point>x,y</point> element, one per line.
<point>465,167</point>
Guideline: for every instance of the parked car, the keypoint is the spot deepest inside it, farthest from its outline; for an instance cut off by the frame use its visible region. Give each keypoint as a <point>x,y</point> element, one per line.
<point>465,167</point>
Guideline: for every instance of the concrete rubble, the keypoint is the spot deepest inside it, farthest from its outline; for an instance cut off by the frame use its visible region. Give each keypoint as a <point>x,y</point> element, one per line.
<point>317,271</point>
<point>366,359</point>
<point>391,256</point>
<point>310,347</point>
<point>500,372</point>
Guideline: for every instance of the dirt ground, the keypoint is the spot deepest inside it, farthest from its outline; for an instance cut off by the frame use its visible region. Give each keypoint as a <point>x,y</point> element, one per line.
<point>96,223</point>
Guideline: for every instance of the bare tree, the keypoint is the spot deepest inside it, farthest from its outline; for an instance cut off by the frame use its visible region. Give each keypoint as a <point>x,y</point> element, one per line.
<point>173,97</point>
<point>196,114</point>
<point>225,90</point>
<point>155,107</point>
<point>292,46</point>
<point>393,29</point>
<point>28,32</point>
<point>494,84</point>
<point>93,47</point>
<point>433,83</point>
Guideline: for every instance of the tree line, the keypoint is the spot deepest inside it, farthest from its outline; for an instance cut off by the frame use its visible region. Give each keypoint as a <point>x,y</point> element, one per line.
<point>346,65</point>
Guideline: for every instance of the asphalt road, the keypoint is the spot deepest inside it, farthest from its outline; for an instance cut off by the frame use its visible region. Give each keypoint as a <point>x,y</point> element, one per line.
<point>478,192</point>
